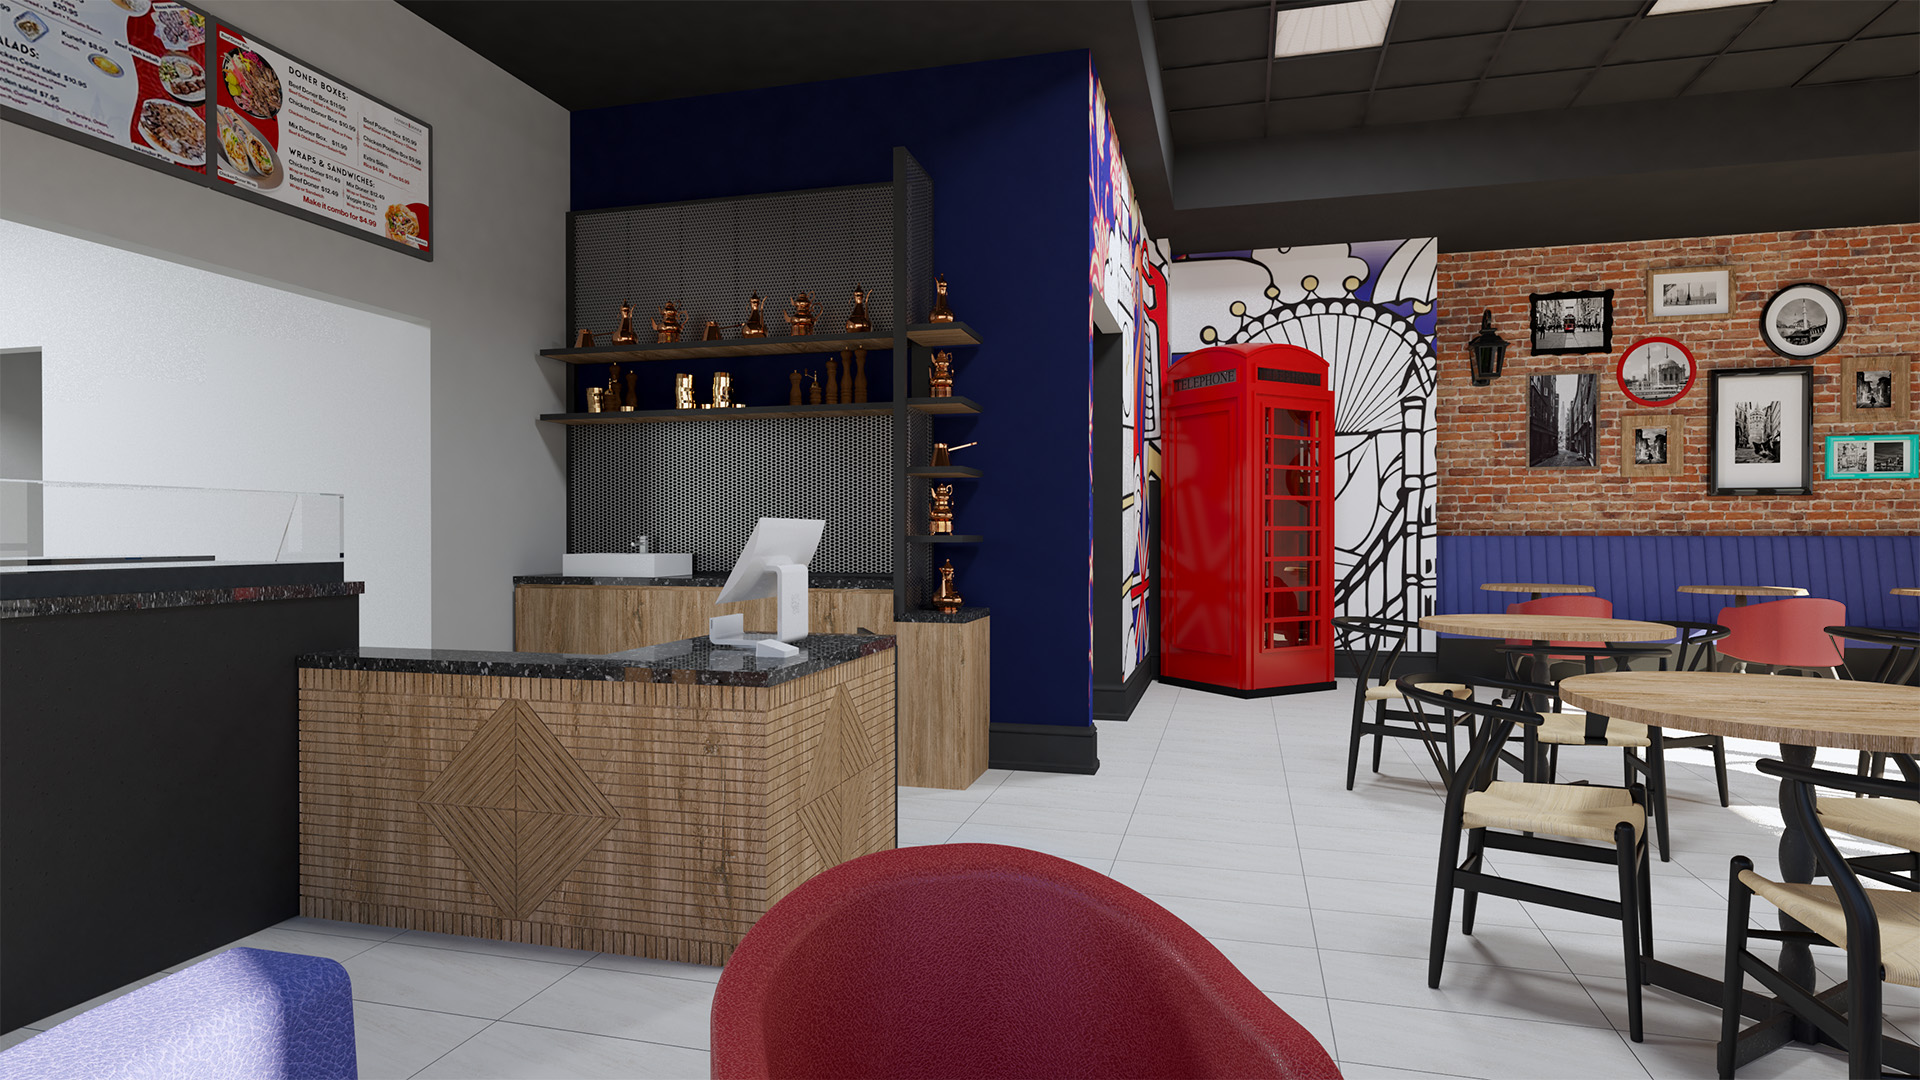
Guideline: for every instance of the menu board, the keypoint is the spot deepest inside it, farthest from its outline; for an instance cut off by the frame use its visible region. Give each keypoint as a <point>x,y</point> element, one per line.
<point>127,72</point>
<point>165,85</point>
<point>296,136</point>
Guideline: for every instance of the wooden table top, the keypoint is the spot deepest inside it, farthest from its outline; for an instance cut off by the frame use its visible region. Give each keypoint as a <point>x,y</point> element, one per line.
<point>1548,627</point>
<point>1799,711</point>
<point>1533,587</point>
<point>1905,592</point>
<point>1744,590</point>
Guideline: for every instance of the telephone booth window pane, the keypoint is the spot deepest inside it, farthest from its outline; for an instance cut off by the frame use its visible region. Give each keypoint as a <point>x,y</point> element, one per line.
<point>1295,423</point>
<point>1286,513</point>
<point>1282,543</point>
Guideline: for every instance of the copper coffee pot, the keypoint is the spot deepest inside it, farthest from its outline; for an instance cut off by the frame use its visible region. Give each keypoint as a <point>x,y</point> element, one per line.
<point>941,312</point>
<point>625,335</point>
<point>940,515</point>
<point>800,319</point>
<point>583,339</point>
<point>667,327</point>
<point>940,376</point>
<point>857,320</point>
<point>940,451</point>
<point>756,324</point>
<point>947,599</point>
<point>712,332</point>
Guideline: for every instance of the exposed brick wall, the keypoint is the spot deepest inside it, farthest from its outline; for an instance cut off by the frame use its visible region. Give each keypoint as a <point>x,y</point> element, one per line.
<point>1485,485</point>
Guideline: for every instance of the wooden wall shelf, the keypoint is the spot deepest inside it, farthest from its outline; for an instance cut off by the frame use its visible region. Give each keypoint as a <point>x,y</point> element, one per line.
<point>946,538</point>
<point>657,416</point>
<point>940,406</point>
<point>942,335</point>
<point>720,350</point>
<point>945,472</point>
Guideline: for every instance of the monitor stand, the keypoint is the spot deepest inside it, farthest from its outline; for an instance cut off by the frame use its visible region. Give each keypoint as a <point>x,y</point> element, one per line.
<point>790,598</point>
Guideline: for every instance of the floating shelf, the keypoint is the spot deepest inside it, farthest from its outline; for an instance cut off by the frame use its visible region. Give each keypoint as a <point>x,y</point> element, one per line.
<point>943,405</point>
<point>945,472</point>
<point>728,347</point>
<point>946,334</point>
<point>656,416</point>
<point>948,538</point>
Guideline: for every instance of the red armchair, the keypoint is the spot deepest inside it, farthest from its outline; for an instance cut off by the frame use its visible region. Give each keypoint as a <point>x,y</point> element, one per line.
<point>977,960</point>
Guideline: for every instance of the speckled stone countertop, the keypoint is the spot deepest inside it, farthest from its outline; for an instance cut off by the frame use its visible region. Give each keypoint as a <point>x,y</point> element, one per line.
<point>958,615</point>
<point>881,582</point>
<point>695,661</point>
<point>102,603</point>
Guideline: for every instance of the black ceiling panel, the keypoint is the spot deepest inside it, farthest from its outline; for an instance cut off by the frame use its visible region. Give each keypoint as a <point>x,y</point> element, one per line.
<point>1413,104</point>
<point>1448,60</point>
<point>1525,93</point>
<point>1417,20</point>
<point>1872,58</point>
<point>1689,33</point>
<point>1215,84</point>
<point>1214,38</point>
<point>1556,12</point>
<point>1762,70</point>
<point>1804,22</point>
<point>1333,113</point>
<point>1227,123</point>
<point>1640,82</point>
<point>1324,73</point>
<point>1555,48</point>
<point>1165,9</point>
<point>1903,17</point>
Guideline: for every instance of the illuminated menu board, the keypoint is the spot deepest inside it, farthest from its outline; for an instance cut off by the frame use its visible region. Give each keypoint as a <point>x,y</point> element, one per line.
<point>166,85</point>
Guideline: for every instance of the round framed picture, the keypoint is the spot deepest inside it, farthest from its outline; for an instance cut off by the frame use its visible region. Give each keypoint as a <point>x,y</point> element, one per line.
<point>1656,371</point>
<point>1802,321</point>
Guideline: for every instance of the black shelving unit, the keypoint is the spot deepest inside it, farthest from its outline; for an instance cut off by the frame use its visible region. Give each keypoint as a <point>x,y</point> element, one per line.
<point>945,472</point>
<point>946,538</point>
<point>724,349</point>
<point>657,416</point>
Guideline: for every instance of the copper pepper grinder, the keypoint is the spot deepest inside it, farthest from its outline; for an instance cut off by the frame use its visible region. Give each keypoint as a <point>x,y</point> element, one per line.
<point>793,395</point>
<point>947,599</point>
<point>940,377</point>
<point>860,380</point>
<point>940,516</point>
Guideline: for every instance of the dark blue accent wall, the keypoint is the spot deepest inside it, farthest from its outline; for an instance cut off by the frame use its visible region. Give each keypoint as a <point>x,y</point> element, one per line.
<point>1006,145</point>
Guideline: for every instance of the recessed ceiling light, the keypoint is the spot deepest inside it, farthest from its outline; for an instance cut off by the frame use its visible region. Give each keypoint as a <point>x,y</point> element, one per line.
<point>1357,24</point>
<point>1670,7</point>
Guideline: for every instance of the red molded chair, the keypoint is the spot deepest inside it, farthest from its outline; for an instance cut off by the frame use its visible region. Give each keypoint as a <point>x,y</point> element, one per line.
<point>977,960</point>
<point>1786,633</point>
<point>1585,607</point>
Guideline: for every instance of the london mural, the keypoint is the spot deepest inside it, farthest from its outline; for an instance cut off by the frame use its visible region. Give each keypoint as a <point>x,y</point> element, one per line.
<point>1368,310</point>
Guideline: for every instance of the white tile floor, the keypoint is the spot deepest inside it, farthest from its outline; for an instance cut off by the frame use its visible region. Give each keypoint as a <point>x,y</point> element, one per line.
<point>1233,815</point>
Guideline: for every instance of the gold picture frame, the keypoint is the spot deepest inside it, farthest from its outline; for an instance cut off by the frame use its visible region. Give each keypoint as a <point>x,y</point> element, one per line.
<point>1860,390</point>
<point>1670,445</point>
<point>1719,279</point>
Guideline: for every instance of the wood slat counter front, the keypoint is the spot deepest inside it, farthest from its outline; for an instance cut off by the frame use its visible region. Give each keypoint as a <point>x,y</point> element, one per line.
<point>603,615</point>
<point>650,803</point>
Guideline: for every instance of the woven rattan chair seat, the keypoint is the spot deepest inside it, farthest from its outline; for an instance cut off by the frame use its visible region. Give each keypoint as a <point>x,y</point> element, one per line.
<point>1819,909</point>
<point>1575,811</point>
<point>1391,692</point>
<point>1887,821</point>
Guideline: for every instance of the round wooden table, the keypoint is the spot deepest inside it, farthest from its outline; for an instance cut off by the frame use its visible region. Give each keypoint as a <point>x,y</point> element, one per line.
<point>1541,629</point>
<point>1535,589</point>
<point>1741,592</point>
<point>1799,713</point>
<point>1904,592</point>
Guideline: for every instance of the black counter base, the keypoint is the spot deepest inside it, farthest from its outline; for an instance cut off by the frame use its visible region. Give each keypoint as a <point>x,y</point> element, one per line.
<point>1043,748</point>
<point>1275,691</point>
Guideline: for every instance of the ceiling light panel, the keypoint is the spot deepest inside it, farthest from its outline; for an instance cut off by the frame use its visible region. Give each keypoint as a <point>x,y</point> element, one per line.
<point>1671,7</point>
<point>1357,24</point>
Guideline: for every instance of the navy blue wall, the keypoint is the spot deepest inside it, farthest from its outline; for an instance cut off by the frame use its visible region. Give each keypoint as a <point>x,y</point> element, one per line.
<point>1006,145</point>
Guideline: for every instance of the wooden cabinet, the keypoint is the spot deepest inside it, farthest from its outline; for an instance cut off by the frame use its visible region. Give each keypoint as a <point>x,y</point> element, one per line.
<point>597,619</point>
<point>943,702</point>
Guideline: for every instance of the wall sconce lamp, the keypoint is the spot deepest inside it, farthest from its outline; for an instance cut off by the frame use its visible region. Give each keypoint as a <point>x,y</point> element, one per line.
<point>1488,351</point>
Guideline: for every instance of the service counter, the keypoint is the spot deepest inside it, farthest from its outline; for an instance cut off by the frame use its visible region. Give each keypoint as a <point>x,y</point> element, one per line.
<point>652,802</point>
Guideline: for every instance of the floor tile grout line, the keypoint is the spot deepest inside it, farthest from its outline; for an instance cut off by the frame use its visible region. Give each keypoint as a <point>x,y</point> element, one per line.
<point>604,1035</point>
<point>488,1026</point>
<point>1313,924</point>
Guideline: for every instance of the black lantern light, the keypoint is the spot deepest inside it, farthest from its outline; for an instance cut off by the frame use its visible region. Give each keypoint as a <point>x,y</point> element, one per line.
<point>1488,349</point>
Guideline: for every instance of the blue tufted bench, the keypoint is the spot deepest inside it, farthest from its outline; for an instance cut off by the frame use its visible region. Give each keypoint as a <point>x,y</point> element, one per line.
<point>247,1014</point>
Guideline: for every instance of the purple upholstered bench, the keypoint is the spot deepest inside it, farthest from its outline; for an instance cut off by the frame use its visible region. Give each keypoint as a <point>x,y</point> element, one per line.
<point>247,1014</point>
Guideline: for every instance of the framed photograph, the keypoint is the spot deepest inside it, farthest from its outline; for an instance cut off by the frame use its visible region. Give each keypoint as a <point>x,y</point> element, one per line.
<point>1690,292</point>
<point>1652,444</point>
<point>1562,413</point>
<point>1802,321</point>
<point>1875,388</point>
<point>1873,457</point>
<point>1760,432</point>
<point>1656,371</point>
<point>1572,322</point>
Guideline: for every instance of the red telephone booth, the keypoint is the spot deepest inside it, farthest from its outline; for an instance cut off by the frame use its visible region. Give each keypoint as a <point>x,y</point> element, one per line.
<point>1246,550</point>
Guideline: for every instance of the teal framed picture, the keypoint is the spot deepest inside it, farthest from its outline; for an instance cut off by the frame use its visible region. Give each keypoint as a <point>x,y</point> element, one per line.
<point>1873,457</point>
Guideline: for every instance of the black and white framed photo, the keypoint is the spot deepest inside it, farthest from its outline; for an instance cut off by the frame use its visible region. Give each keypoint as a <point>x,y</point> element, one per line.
<point>1572,322</point>
<point>1562,418</point>
<point>1652,444</point>
<point>1690,292</point>
<point>1760,432</point>
<point>1802,321</point>
<point>1656,371</point>
<point>1873,457</point>
<point>1875,388</point>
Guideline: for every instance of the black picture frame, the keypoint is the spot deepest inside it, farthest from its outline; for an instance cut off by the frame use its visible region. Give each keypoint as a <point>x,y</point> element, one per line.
<point>1816,297</point>
<point>1563,420</point>
<point>1550,338</point>
<point>1792,453</point>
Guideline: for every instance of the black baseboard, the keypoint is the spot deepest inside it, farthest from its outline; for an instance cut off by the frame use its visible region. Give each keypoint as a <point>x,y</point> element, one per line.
<point>1303,688</point>
<point>1117,702</point>
<point>1468,657</point>
<point>1043,748</point>
<point>1409,663</point>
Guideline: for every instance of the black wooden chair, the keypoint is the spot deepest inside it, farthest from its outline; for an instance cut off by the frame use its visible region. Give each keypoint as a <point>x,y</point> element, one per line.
<point>1694,651</point>
<point>1893,822</point>
<point>1902,659</point>
<point>1878,928</point>
<point>1528,817</point>
<point>1376,643</point>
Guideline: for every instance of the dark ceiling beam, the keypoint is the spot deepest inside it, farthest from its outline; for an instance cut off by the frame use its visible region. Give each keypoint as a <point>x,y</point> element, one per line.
<point>1156,94</point>
<point>1600,142</point>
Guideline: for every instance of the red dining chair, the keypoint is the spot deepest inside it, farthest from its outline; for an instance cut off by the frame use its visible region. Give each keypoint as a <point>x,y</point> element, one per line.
<point>1786,633</point>
<point>978,960</point>
<point>1585,607</point>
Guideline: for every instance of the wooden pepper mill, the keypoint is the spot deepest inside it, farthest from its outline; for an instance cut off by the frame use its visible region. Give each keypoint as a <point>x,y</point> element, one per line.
<point>793,395</point>
<point>610,398</point>
<point>632,400</point>
<point>860,380</point>
<point>813,396</point>
<point>833,382</point>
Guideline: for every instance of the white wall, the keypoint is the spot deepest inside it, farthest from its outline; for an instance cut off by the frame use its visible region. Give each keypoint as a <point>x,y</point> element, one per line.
<point>157,373</point>
<point>492,297</point>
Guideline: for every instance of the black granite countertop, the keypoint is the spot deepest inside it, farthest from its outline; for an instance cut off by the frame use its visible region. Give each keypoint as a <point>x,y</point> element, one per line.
<point>695,661</point>
<point>880,582</point>
<point>94,591</point>
<point>958,615</point>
